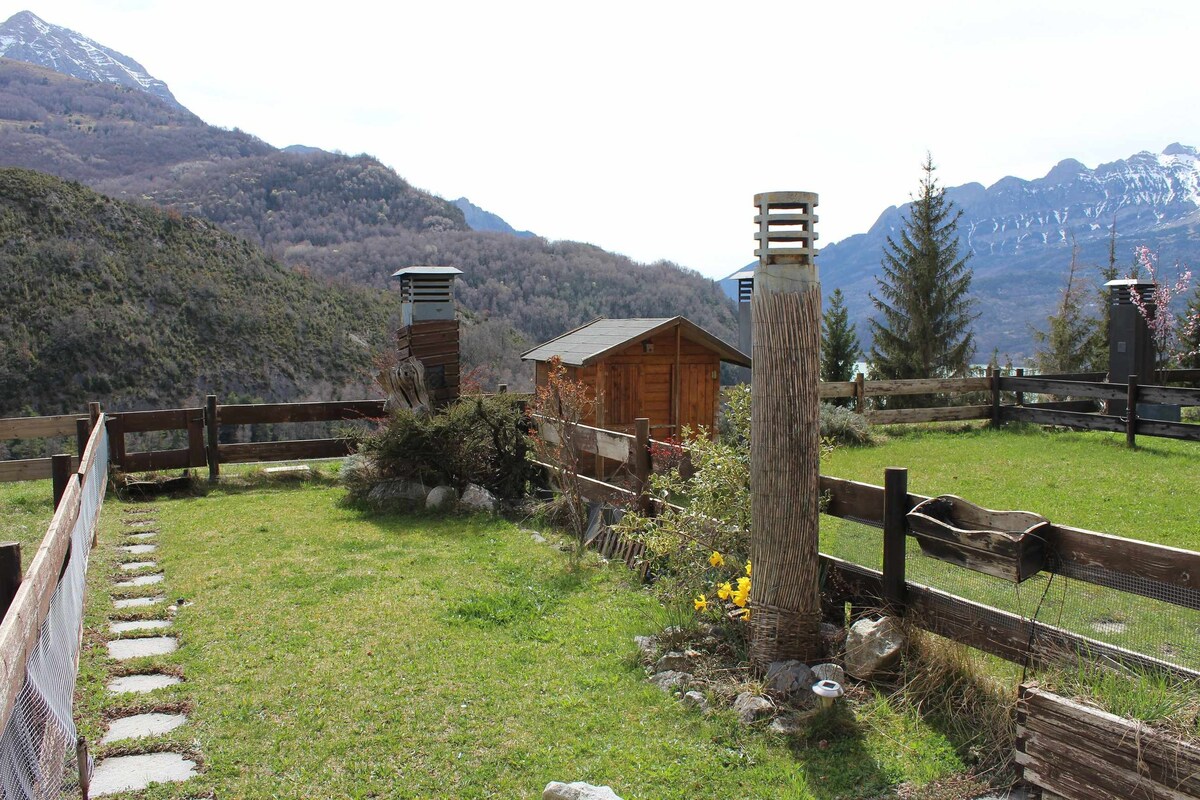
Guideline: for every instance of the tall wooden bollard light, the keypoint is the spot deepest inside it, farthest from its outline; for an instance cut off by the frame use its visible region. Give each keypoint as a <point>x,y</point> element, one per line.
<point>785,437</point>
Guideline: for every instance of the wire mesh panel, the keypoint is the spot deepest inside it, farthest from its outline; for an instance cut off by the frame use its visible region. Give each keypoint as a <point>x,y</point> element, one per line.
<point>37,747</point>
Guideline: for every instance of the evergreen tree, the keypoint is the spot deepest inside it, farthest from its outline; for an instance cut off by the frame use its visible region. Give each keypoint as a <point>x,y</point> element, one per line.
<point>839,342</point>
<point>1067,345</point>
<point>924,327</point>
<point>1098,344</point>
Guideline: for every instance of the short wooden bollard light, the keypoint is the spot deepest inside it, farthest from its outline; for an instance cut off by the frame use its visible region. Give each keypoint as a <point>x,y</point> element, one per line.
<point>785,601</point>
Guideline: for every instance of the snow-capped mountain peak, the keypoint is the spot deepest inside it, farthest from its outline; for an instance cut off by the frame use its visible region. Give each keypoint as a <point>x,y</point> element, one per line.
<point>26,37</point>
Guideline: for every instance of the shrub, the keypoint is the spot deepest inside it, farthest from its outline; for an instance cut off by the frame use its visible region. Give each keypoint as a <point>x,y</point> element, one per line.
<point>477,440</point>
<point>840,425</point>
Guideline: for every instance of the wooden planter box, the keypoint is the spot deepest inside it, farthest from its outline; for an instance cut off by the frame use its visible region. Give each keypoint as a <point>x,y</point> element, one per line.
<point>1006,544</point>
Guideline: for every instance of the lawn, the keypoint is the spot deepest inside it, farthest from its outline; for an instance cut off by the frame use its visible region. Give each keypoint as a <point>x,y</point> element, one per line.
<point>1088,480</point>
<point>26,509</point>
<point>330,653</point>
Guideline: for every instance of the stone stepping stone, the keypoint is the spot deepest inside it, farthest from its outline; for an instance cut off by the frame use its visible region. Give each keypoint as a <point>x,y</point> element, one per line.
<point>133,773</point>
<point>141,684</point>
<point>138,549</point>
<point>124,649</point>
<point>142,725</point>
<point>137,602</point>
<point>140,523</point>
<point>144,535</point>
<point>130,566</point>
<point>139,625</point>
<point>141,580</point>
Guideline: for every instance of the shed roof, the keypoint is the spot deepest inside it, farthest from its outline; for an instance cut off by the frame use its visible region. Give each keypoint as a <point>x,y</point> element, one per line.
<point>423,270</point>
<point>591,342</point>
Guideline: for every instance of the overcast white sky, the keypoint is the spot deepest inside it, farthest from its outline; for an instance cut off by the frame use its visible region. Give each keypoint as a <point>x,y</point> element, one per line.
<point>647,127</point>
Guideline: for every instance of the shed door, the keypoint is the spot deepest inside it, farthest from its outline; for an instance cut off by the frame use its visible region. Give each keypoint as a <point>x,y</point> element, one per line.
<point>697,396</point>
<point>623,396</point>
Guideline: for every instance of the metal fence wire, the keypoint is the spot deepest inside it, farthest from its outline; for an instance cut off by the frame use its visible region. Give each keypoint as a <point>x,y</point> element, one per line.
<point>38,744</point>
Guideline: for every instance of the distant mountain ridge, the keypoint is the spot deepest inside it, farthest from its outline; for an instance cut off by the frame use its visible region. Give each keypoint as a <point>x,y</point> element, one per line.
<point>1019,233</point>
<point>26,37</point>
<point>481,220</point>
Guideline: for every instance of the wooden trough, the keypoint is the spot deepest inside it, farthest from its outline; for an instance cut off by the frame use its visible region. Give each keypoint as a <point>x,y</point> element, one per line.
<point>1007,544</point>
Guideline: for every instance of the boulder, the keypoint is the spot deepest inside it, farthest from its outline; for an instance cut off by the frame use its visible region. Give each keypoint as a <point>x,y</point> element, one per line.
<point>832,636</point>
<point>675,660</point>
<point>873,646</point>
<point>441,497</point>
<point>397,493</point>
<point>477,498</point>
<point>791,724</point>
<point>671,680</point>
<point>787,678</point>
<point>648,646</point>
<point>578,791</point>
<point>750,707</point>
<point>536,537</point>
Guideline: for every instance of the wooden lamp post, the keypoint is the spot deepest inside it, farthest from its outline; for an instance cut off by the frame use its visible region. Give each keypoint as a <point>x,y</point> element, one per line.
<point>785,435</point>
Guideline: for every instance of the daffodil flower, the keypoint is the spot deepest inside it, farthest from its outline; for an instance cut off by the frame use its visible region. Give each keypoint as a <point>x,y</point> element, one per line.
<point>747,566</point>
<point>701,603</point>
<point>725,591</point>
<point>716,559</point>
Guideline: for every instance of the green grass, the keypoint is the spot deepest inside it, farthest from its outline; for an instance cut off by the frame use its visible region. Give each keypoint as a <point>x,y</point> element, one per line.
<point>26,509</point>
<point>332,654</point>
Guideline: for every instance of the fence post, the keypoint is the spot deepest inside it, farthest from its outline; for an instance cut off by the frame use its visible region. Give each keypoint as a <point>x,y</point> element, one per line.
<point>895,529</point>
<point>60,473</point>
<point>1131,412</point>
<point>641,463</point>
<point>82,431</point>
<point>116,442</point>
<point>503,388</point>
<point>1020,395</point>
<point>93,414</point>
<point>10,574</point>
<point>860,394</point>
<point>213,427</point>
<point>994,377</point>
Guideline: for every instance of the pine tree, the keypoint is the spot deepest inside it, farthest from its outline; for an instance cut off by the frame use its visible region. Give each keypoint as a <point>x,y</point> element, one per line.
<point>1067,345</point>
<point>1098,343</point>
<point>839,342</point>
<point>924,329</point>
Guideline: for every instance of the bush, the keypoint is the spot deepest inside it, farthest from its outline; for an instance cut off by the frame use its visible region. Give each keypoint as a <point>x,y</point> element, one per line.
<point>478,440</point>
<point>840,425</point>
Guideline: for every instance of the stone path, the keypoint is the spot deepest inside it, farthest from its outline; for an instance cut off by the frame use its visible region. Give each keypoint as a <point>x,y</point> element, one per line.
<point>133,639</point>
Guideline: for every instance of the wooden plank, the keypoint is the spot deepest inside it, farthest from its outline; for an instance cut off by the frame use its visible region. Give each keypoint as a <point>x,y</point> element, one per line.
<point>940,414</point>
<point>1114,771</point>
<point>1068,419</point>
<point>1167,430</point>
<point>196,455</point>
<point>1172,397</point>
<point>152,461</point>
<point>294,450</point>
<point>265,413</point>
<point>926,386</point>
<point>1100,390</point>
<point>172,419</point>
<point>836,389</point>
<point>19,629</point>
<point>37,427</point>
<point>1083,406</point>
<point>1078,553</point>
<point>25,469</point>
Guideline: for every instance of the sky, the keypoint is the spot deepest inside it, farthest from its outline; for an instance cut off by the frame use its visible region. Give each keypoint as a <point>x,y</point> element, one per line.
<point>647,127</point>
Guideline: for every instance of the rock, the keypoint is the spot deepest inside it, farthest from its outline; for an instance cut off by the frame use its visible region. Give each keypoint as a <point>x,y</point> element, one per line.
<point>441,497</point>
<point>677,661</point>
<point>537,537</point>
<point>578,791</point>
<point>694,699</point>
<point>670,679</point>
<point>791,724</point>
<point>750,707</point>
<point>873,646</point>
<point>397,493</point>
<point>648,645</point>
<point>832,636</point>
<point>787,678</point>
<point>829,672</point>
<point>476,498</point>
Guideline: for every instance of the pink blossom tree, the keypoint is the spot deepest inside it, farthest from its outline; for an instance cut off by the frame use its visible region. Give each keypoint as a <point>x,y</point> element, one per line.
<point>1172,335</point>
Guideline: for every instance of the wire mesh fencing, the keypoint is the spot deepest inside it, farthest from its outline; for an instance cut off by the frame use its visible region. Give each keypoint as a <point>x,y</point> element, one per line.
<point>38,754</point>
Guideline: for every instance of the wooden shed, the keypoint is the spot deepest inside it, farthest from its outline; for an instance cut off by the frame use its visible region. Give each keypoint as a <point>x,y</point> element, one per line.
<point>667,369</point>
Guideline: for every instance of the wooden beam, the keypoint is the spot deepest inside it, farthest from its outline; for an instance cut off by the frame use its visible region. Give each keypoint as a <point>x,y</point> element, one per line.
<point>895,530</point>
<point>295,450</point>
<point>829,389</point>
<point>25,469</point>
<point>926,386</point>
<point>265,413</point>
<point>155,460</point>
<point>1066,419</point>
<point>37,427</point>
<point>1100,390</point>
<point>940,414</point>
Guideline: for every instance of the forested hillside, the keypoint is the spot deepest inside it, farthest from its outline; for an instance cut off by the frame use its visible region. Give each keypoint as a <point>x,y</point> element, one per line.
<point>138,307</point>
<point>347,218</point>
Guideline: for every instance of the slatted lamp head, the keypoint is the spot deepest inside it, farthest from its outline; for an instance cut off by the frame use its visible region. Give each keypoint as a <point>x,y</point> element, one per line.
<point>786,240</point>
<point>426,293</point>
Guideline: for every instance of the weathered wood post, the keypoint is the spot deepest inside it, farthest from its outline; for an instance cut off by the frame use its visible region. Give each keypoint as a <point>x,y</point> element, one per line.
<point>641,463</point>
<point>10,574</point>
<point>212,425</point>
<point>895,531</point>
<point>83,430</point>
<point>1131,412</point>
<point>994,383</point>
<point>785,599</point>
<point>60,473</point>
<point>860,394</point>
<point>1020,397</point>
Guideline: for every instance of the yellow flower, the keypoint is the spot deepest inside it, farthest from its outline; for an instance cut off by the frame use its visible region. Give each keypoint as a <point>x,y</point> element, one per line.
<point>742,595</point>
<point>716,559</point>
<point>743,584</point>
<point>725,591</point>
<point>747,566</point>
<point>701,603</point>
<point>746,615</point>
